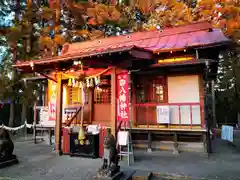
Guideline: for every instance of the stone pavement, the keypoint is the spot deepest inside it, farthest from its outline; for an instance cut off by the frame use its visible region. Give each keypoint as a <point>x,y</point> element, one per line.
<point>38,162</point>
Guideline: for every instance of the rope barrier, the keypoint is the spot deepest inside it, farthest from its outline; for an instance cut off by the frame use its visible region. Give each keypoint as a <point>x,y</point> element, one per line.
<point>16,128</point>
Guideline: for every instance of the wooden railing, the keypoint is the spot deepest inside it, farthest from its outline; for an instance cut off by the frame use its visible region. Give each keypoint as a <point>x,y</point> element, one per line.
<point>180,114</point>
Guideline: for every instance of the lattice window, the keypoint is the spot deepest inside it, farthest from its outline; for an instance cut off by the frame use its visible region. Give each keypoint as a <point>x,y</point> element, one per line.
<point>102,95</point>
<point>150,90</point>
<point>75,95</point>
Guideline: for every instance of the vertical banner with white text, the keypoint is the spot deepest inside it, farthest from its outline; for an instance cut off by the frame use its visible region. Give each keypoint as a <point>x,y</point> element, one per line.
<point>52,90</point>
<point>123,113</point>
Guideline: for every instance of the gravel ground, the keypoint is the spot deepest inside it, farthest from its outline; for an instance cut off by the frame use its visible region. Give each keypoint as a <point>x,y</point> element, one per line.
<point>38,162</point>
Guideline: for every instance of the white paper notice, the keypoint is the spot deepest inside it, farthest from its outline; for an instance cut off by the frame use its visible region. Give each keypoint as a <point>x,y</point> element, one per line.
<point>227,133</point>
<point>122,138</point>
<point>163,115</point>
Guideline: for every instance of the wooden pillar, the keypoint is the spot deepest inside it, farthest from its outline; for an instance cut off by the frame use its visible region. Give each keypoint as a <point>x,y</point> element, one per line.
<point>205,144</point>
<point>91,104</point>
<point>34,122</point>
<point>133,102</point>
<point>214,123</point>
<point>201,94</point>
<point>58,126</point>
<point>113,101</point>
<point>149,142</point>
<point>175,145</point>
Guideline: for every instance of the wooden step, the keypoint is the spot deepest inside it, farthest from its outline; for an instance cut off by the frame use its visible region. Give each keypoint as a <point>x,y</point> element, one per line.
<point>142,175</point>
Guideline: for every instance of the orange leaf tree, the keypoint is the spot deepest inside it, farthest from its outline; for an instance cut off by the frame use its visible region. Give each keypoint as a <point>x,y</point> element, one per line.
<point>224,14</point>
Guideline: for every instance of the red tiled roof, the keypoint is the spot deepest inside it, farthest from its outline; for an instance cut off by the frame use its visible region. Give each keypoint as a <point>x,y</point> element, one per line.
<point>171,39</point>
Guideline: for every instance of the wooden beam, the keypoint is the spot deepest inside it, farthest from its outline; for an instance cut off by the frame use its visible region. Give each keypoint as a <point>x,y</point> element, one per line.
<point>113,101</point>
<point>141,54</point>
<point>58,125</point>
<point>48,77</point>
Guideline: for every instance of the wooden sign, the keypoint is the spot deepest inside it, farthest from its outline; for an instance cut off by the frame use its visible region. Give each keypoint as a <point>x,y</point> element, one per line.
<point>44,114</point>
<point>122,98</point>
<point>163,115</point>
<point>123,138</point>
<point>70,110</point>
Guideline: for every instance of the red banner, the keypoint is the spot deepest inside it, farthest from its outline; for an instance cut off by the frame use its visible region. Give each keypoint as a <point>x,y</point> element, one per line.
<point>52,94</point>
<point>122,98</point>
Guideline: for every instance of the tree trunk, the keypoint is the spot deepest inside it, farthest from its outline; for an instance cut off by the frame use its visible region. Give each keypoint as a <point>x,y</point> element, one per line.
<point>12,114</point>
<point>14,51</point>
<point>23,117</point>
<point>238,117</point>
<point>12,105</point>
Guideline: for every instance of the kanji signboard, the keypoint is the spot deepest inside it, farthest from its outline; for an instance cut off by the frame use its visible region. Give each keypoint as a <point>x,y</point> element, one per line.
<point>122,98</point>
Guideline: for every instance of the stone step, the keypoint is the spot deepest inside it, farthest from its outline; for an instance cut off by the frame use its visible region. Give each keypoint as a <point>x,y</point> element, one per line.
<point>142,175</point>
<point>127,175</point>
<point>7,163</point>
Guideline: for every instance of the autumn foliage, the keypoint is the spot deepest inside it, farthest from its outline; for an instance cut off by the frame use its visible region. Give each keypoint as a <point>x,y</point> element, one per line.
<point>83,20</point>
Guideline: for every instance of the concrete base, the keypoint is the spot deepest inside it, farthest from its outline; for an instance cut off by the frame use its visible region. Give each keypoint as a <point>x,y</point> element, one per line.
<point>175,152</point>
<point>149,150</point>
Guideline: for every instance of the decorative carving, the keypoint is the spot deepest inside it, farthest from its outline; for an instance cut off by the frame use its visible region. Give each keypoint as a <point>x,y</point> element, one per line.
<point>6,146</point>
<point>110,158</point>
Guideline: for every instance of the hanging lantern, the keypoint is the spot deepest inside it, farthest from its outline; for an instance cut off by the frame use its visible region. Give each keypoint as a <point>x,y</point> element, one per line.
<point>69,82</point>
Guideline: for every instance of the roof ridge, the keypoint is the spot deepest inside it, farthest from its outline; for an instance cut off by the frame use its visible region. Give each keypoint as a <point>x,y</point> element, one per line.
<point>169,28</point>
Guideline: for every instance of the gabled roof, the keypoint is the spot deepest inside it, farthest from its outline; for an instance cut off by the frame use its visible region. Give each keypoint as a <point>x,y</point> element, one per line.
<point>170,39</point>
<point>178,38</point>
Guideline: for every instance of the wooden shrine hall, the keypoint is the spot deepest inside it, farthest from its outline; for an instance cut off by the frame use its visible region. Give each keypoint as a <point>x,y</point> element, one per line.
<point>154,79</point>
